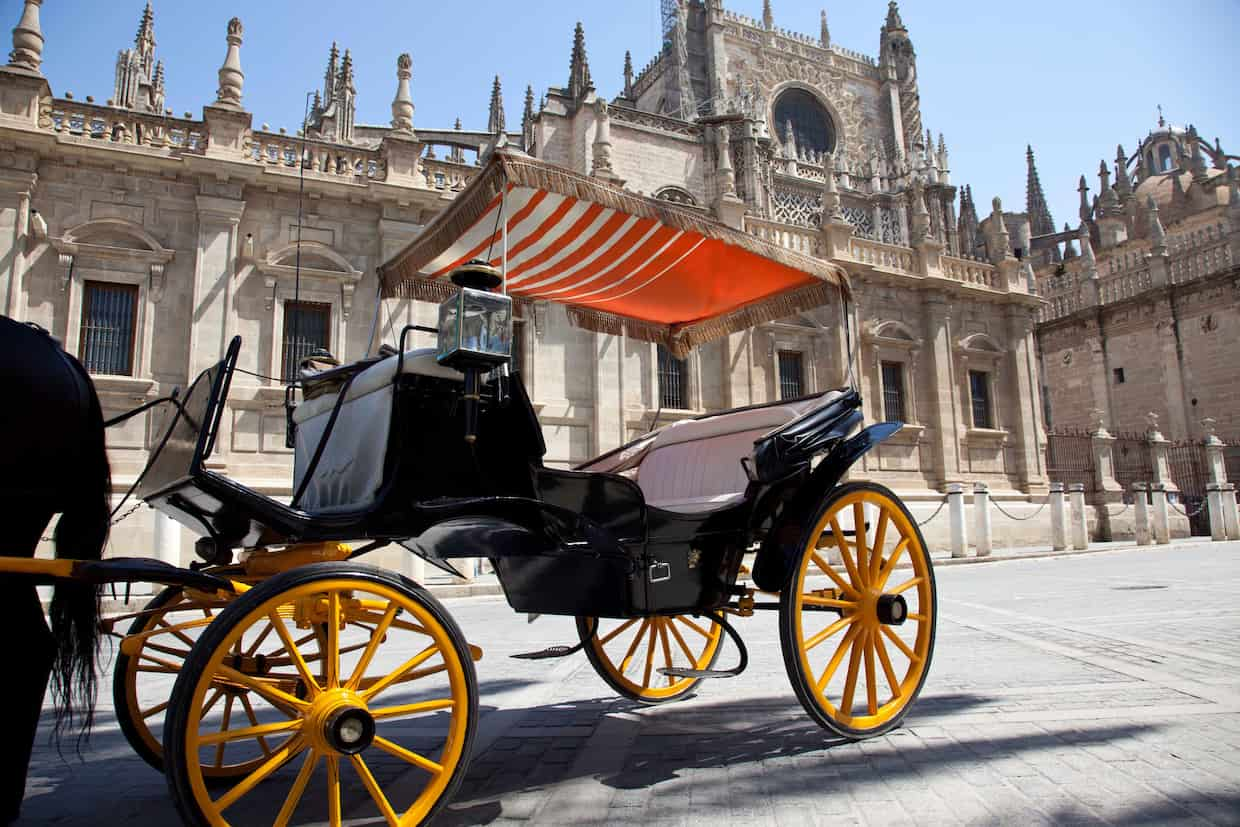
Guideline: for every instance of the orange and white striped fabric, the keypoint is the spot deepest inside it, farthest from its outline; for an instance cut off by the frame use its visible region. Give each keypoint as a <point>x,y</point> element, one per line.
<point>617,259</point>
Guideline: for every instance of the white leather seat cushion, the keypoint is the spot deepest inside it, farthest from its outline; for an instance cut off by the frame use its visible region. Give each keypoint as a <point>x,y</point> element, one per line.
<point>379,375</point>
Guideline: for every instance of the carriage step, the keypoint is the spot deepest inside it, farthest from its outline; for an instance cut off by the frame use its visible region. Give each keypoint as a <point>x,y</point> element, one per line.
<point>677,672</point>
<point>549,652</point>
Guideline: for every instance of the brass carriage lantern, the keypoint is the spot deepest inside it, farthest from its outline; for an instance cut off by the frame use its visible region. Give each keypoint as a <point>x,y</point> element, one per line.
<point>475,332</point>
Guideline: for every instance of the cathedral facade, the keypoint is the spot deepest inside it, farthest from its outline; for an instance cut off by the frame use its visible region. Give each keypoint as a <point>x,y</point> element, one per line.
<point>145,241</point>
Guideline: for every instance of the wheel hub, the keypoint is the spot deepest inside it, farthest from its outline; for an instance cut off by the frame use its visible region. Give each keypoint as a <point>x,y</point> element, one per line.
<point>338,721</point>
<point>892,609</point>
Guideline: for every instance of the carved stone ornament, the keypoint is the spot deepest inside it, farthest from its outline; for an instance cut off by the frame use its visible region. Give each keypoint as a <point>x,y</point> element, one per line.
<point>66,270</point>
<point>157,282</point>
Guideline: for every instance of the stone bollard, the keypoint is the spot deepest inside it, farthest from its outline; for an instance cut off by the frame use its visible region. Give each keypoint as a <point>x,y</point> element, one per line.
<point>1231,512</point>
<point>955,511</point>
<point>1141,512</point>
<point>167,539</point>
<point>1080,527</point>
<point>1059,518</point>
<point>981,515</point>
<point>1162,528</point>
<point>1214,505</point>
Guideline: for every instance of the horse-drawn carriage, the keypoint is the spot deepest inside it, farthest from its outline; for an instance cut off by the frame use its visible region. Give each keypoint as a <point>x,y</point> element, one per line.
<point>291,659</point>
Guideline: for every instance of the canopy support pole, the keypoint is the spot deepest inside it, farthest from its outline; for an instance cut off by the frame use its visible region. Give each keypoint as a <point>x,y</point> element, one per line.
<point>503,211</point>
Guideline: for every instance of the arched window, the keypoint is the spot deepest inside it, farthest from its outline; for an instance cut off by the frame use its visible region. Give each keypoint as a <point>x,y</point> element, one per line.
<point>1164,158</point>
<point>812,131</point>
<point>677,195</point>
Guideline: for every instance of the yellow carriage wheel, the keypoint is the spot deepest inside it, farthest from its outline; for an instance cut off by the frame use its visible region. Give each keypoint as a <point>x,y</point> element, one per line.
<point>378,724</point>
<point>857,617</point>
<point>627,654</point>
<point>147,662</point>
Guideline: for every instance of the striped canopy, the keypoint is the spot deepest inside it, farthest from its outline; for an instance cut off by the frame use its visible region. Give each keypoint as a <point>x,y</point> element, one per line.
<point>619,261</point>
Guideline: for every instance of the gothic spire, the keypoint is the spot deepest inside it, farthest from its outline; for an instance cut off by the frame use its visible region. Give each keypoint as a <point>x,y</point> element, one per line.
<point>28,39</point>
<point>402,104</point>
<point>824,37</point>
<point>579,83</point>
<point>146,30</point>
<point>893,17</point>
<point>345,81</point>
<point>527,119</point>
<point>1069,252</point>
<point>1085,211</point>
<point>768,17</point>
<point>495,118</point>
<point>1040,221</point>
<point>329,79</point>
<point>628,75</point>
<point>1122,182</point>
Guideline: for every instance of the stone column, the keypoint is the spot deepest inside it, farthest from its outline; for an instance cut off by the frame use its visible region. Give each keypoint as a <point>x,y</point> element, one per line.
<point>1080,525</point>
<point>1162,527</point>
<point>981,515</point>
<point>16,188</point>
<point>1059,518</point>
<point>1214,506</point>
<point>1141,512</point>
<point>1231,512</point>
<point>608,423</point>
<point>1023,370</point>
<point>1159,463</point>
<point>955,511</point>
<point>940,396</point>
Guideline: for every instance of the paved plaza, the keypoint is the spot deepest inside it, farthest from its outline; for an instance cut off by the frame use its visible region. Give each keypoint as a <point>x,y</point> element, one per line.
<point>1099,688</point>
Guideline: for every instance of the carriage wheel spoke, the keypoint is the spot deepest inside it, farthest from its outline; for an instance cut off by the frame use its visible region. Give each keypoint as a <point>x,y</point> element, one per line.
<point>880,539</point>
<point>376,637</point>
<point>294,746</point>
<point>331,665</point>
<point>413,663</point>
<point>842,623</point>
<point>693,626</point>
<point>603,641</point>
<point>846,555</point>
<point>684,647</point>
<point>155,710</point>
<point>294,654</point>
<point>829,571</point>
<point>827,602</point>
<point>333,790</point>
<point>408,757</point>
<point>219,750</point>
<point>905,586</point>
<point>871,690</point>
<point>211,702</point>
<point>298,790</point>
<point>249,713</point>
<point>372,787</point>
<point>836,659</point>
<point>258,731</point>
<point>405,710</point>
<point>650,653</point>
<point>262,636</point>
<point>863,554</point>
<point>667,650</point>
<point>854,664</point>
<point>890,565</point>
<point>184,638</point>
<point>885,660</point>
<point>901,645</point>
<point>277,697</point>
<point>637,639</point>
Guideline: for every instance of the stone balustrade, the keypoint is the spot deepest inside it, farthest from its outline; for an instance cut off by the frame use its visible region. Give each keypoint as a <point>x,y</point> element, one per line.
<point>119,126</point>
<point>970,271</point>
<point>803,240</point>
<point>649,120</point>
<point>1189,263</point>
<point>881,256</point>
<point>277,150</point>
<point>447,175</point>
<point>1125,284</point>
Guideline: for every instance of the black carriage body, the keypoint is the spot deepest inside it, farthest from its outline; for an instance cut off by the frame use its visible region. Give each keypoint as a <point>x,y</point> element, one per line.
<point>581,542</point>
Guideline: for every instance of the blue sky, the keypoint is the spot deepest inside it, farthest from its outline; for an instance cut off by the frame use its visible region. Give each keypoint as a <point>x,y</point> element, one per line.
<point>1074,80</point>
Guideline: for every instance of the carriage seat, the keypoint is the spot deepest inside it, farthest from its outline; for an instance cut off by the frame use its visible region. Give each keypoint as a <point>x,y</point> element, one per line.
<point>350,473</point>
<point>695,465</point>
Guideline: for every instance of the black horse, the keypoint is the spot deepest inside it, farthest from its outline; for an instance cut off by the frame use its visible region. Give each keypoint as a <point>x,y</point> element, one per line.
<point>52,460</point>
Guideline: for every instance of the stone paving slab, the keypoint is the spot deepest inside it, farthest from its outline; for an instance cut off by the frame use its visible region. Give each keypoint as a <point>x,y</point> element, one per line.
<point>1088,689</point>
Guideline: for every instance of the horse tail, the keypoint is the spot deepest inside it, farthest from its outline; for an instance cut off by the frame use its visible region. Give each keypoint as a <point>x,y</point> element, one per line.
<point>81,534</point>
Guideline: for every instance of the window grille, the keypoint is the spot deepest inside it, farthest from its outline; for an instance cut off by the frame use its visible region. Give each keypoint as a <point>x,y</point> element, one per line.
<point>672,384</point>
<point>307,328</point>
<point>893,392</point>
<point>979,392</point>
<point>791,375</point>
<point>109,318</point>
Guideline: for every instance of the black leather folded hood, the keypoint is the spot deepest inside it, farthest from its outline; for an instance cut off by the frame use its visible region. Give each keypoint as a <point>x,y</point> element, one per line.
<point>783,451</point>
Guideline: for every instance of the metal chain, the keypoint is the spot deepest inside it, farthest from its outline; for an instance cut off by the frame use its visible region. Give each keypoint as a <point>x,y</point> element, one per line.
<point>935,514</point>
<point>1010,516</point>
<point>1121,511</point>
<point>1200,509</point>
<point>135,507</point>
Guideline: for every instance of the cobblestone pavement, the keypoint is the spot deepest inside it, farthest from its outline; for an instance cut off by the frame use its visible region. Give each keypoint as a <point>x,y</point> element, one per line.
<point>1091,689</point>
